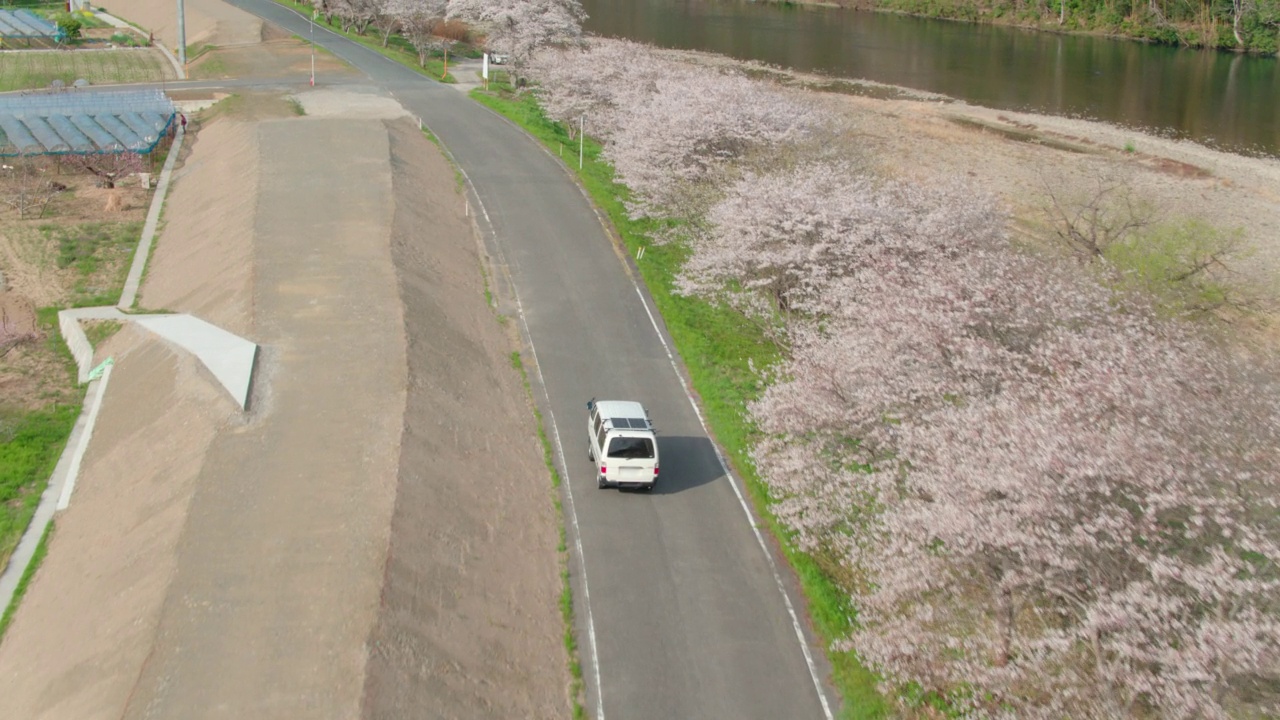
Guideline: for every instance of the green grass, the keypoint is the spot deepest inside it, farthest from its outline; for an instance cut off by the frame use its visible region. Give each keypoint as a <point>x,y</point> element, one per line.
<point>458,178</point>
<point>566,589</point>
<point>32,69</point>
<point>97,331</point>
<point>397,49</point>
<point>1172,263</point>
<point>25,580</point>
<point>30,443</point>
<point>716,346</point>
<point>211,67</point>
<point>195,51</point>
<point>100,253</point>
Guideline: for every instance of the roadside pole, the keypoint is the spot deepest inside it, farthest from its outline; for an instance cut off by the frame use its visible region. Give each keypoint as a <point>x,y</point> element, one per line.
<point>182,37</point>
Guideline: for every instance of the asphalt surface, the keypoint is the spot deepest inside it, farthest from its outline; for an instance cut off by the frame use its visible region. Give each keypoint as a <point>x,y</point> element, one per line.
<point>685,616</point>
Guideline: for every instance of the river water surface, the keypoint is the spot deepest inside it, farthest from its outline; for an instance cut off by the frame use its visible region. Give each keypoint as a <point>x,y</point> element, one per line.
<point>1221,99</point>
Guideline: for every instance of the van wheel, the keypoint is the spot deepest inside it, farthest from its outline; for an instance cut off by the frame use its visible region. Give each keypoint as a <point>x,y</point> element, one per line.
<point>601,482</point>
<point>591,455</point>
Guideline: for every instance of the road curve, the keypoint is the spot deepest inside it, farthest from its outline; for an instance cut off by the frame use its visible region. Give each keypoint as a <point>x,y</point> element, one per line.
<point>686,616</point>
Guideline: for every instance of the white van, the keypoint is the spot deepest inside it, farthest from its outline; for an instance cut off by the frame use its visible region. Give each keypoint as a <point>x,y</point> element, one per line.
<point>622,443</point>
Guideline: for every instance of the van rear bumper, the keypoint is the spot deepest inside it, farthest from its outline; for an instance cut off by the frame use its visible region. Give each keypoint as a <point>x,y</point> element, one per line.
<point>629,484</point>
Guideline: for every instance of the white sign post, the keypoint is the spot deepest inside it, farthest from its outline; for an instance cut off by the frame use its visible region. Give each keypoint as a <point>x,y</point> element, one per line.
<point>484,70</point>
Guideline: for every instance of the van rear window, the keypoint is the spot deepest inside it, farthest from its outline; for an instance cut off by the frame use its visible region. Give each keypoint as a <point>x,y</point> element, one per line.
<point>631,448</point>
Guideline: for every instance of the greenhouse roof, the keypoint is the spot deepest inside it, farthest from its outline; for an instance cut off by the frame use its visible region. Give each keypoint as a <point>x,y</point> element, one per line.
<point>25,24</point>
<point>84,122</point>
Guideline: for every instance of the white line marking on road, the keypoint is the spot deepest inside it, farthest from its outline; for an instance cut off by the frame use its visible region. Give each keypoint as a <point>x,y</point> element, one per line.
<point>746,508</point>
<point>573,514</point>
<point>724,465</point>
<point>564,463</point>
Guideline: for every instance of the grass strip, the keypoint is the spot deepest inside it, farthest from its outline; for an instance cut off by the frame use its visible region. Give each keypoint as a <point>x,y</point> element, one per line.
<point>566,590</point>
<point>36,558</point>
<point>31,441</point>
<point>30,444</point>
<point>719,350</point>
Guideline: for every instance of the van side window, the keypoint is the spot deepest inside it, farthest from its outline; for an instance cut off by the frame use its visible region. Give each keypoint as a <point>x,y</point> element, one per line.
<point>600,435</point>
<point>596,416</point>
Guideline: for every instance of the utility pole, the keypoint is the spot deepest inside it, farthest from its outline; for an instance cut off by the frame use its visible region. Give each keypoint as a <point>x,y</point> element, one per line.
<point>582,119</point>
<point>313,48</point>
<point>182,38</point>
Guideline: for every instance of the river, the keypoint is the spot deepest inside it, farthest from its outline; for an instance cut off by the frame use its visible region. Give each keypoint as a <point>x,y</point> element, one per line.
<point>1224,100</point>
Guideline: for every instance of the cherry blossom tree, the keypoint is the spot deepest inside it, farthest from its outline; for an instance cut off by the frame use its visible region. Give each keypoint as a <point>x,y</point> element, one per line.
<point>417,20</point>
<point>1044,500</point>
<point>386,21</point>
<point>517,28</point>
<point>1053,508</point>
<point>602,79</point>
<point>354,15</point>
<point>669,127</point>
<point>788,235</point>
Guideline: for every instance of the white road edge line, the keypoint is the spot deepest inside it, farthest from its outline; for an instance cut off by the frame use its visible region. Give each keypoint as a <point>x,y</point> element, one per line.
<point>555,434</point>
<point>573,514</point>
<point>724,465</point>
<point>746,508</point>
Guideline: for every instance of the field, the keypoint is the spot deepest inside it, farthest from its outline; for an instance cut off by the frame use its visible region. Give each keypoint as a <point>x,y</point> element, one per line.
<point>31,69</point>
<point>74,251</point>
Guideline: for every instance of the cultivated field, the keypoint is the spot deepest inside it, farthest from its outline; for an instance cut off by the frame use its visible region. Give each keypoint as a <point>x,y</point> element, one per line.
<point>31,69</point>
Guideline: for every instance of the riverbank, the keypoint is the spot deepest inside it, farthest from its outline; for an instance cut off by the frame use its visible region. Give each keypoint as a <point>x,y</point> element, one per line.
<point>1021,156</point>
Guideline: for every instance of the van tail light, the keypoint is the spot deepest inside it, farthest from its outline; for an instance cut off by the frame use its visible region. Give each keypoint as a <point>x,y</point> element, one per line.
<point>655,471</point>
<point>603,469</point>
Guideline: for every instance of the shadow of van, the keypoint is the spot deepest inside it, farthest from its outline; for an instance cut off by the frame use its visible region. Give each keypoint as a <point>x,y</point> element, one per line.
<point>685,463</point>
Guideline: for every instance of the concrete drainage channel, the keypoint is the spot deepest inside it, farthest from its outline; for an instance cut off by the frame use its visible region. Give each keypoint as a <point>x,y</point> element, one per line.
<point>229,357</point>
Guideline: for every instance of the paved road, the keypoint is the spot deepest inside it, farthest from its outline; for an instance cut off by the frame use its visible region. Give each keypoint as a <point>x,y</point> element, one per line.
<point>689,620</point>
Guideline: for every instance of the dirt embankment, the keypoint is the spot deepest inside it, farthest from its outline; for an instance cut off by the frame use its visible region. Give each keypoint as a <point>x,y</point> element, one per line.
<point>207,21</point>
<point>377,535</point>
<point>88,621</point>
<point>469,625</point>
<point>209,227</point>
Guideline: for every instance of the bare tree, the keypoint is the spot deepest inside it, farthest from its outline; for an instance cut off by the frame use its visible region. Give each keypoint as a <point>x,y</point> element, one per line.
<point>109,168</point>
<point>17,322</point>
<point>418,20</point>
<point>26,187</point>
<point>1089,223</point>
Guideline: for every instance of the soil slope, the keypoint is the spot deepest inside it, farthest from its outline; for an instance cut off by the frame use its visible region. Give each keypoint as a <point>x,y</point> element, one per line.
<point>300,560</point>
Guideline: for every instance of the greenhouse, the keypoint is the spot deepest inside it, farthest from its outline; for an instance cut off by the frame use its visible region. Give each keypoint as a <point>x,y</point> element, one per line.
<point>24,25</point>
<point>78,122</point>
